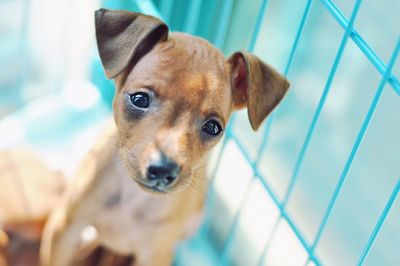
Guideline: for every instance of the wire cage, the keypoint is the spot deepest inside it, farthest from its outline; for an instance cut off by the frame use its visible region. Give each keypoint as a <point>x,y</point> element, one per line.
<point>318,184</point>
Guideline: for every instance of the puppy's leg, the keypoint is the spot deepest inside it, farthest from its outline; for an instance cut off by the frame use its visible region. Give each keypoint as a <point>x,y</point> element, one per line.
<point>61,238</point>
<point>161,255</point>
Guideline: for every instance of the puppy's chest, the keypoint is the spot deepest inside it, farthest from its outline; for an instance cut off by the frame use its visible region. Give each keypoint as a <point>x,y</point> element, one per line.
<point>128,217</point>
<point>125,204</point>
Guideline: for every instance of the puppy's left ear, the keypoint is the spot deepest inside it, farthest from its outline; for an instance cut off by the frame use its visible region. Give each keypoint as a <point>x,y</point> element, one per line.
<point>124,37</point>
<point>255,85</point>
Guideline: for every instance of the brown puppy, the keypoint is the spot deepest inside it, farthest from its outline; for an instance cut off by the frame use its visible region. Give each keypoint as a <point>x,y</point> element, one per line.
<point>175,94</point>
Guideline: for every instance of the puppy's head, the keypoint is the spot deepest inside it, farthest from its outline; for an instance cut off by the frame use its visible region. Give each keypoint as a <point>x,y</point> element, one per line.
<point>175,94</point>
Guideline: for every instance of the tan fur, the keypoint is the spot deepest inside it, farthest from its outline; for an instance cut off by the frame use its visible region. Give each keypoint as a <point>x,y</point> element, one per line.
<point>28,193</point>
<point>28,189</point>
<point>191,81</point>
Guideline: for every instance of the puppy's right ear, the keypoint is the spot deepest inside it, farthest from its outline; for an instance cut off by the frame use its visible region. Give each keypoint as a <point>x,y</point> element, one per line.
<point>255,85</point>
<point>124,37</point>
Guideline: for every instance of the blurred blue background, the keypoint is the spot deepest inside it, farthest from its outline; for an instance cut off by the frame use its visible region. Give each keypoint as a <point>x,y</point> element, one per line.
<point>316,185</point>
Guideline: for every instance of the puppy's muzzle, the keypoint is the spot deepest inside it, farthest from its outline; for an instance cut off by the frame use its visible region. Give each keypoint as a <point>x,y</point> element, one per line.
<point>162,174</point>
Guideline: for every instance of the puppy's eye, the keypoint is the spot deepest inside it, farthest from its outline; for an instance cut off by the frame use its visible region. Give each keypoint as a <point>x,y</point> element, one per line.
<point>212,127</point>
<point>140,99</point>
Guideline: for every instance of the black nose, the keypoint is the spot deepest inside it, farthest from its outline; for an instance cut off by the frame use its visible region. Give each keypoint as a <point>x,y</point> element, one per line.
<point>165,171</point>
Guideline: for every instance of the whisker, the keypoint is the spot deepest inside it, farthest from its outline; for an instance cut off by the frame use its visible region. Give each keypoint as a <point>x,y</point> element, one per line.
<point>198,188</point>
<point>115,162</point>
<point>200,167</point>
<point>199,176</point>
<point>114,141</point>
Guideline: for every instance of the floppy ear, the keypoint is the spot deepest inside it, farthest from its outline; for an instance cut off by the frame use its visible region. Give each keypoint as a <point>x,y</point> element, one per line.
<point>124,37</point>
<point>255,85</point>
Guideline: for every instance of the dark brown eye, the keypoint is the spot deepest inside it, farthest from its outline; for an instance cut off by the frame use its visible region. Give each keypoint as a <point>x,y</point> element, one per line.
<point>140,99</point>
<point>212,127</point>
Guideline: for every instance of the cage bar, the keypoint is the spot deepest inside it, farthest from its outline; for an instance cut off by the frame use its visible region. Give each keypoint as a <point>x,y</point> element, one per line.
<point>321,103</point>
<point>357,144</point>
